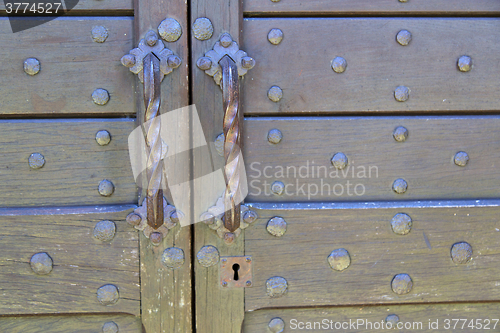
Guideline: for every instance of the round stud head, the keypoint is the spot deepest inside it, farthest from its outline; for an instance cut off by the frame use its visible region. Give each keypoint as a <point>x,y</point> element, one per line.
<point>339,65</point>
<point>108,294</point>
<point>403,37</point>
<point>276,287</point>
<point>277,188</point>
<point>401,94</point>
<point>464,63</point>
<point>174,217</point>
<point>275,36</point>
<point>151,38</point>
<point>156,238</point>
<point>110,327</point>
<point>226,40</point>
<point>208,256</point>
<point>103,138</point>
<point>248,283</point>
<point>174,61</point>
<point>36,161</point>
<point>339,259</point>
<point>99,34</point>
<point>31,66</point>
<point>134,219</point>
<point>106,188</point>
<point>170,30</point>
<point>173,258</point>
<point>100,96</point>
<point>339,161</point>
<point>249,216</point>
<point>461,253</point>
<point>461,158</point>
<point>208,218</point>
<point>402,284</point>
<point>401,224</point>
<point>128,60</point>
<point>276,226</point>
<point>41,263</point>
<point>104,231</point>
<point>400,186</point>
<point>393,320</point>
<point>229,238</point>
<point>202,28</point>
<point>274,136</point>
<point>276,325</point>
<point>275,94</point>
<point>204,63</point>
<point>400,134</point>
<point>247,62</point>
<point>224,283</point>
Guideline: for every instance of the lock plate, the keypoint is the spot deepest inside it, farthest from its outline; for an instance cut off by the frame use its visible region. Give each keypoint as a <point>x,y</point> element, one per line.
<point>235,272</point>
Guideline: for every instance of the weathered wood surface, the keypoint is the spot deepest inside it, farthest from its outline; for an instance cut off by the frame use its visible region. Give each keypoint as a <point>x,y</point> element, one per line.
<point>367,7</point>
<point>376,65</point>
<point>72,67</point>
<point>74,163</point>
<point>73,324</point>
<point>81,263</point>
<point>166,294</point>
<point>217,310</point>
<point>377,253</point>
<point>375,159</point>
<point>416,316</point>
<point>92,7</point>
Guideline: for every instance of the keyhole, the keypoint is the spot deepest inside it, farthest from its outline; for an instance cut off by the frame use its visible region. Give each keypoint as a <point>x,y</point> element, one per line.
<point>236,268</point>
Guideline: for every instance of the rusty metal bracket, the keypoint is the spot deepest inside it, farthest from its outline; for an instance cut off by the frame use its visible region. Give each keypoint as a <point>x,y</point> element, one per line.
<point>226,63</point>
<point>236,272</point>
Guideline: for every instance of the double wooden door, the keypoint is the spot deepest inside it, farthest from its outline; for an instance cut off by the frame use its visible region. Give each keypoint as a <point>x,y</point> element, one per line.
<point>370,143</point>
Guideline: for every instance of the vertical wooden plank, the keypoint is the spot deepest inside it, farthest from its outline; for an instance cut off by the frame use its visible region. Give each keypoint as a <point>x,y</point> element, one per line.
<point>217,309</point>
<point>166,293</point>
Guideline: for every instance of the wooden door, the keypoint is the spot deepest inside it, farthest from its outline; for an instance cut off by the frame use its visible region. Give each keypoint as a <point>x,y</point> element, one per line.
<point>370,143</point>
<point>70,261</point>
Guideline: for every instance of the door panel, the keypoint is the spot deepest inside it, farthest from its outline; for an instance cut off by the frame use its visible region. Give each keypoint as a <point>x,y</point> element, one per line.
<point>376,65</point>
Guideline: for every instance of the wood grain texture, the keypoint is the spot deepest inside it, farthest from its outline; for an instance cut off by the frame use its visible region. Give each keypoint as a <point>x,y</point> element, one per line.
<point>73,324</point>
<point>377,254</point>
<point>302,160</point>
<point>95,7</point>
<point>81,263</point>
<point>72,67</point>
<point>417,316</point>
<point>366,7</point>
<point>217,310</point>
<point>376,65</point>
<point>74,163</point>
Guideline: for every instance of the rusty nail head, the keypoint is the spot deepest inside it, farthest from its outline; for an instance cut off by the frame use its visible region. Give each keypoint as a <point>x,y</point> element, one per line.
<point>31,66</point>
<point>223,261</point>
<point>464,63</point>
<point>208,256</point>
<point>276,286</point>
<point>103,138</point>
<point>339,259</point>
<point>156,238</point>
<point>461,253</point>
<point>248,283</point>
<point>250,216</point>
<point>276,226</point>
<point>173,258</point>
<point>104,231</point>
<point>277,187</point>
<point>202,28</point>
<point>339,161</point>
<point>400,186</point>
<point>248,259</point>
<point>100,96</point>
<point>151,38</point>
<point>224,283</point>
<point>36,161</point>
<point>276,325</point>
<point>403,37</point>
<point>461,158</point>
<point>204,63</point>
<point>226,40</point>
<point>170,30</point>
<point>275,36</point>
<point>128,60</point>
<point>275,94</point>
<point>41,263</point>
<point>274,136</point>
<point>400,134</point>
<point>401,224</point>
<point>339,65</point>
<point>402,284</point>
<point>174,61</point>
<point>108,294</point>
<point>247,62</point>
<point>99,34</point>
<point>402,94</point>
<point>106,188</point>
<point>134,219</point>
<point>229,238</point>
<point>110,327</point>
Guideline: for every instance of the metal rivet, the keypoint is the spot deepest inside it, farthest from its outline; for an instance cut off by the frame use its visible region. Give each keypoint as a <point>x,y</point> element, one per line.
<point>208,256</point>
<point>174,217</point>
<point>403,0</point>
<point>173,258</point>
<point>249,216</point>
<point>275,0</point>
<point>110,327</point>
<point>247,62</point>
<point>41,263</point>
<point>224,283</point>
<point>275,94</point>
<point>276,325</point>
<point>248,259</point>
<point>202,28</point>
<point>339,161</point>
<point>276,287</point>
<point>31,66</point>
<point>274,136</point>
<point>128,60</point>
<point>108,294</point>
<point>461,158</point>
<point>400,186</point>
<point>277,188</point>
<point>229,238</point>
<point>401,224</point>
<point>226,40</point>
<point>401,94</point>
<point>204,63</point>
<point>275,36</point>
<point>156,238</point>
<point>103,138</point>
<point>339,259</point>
<point>36,161</point>
<point>400,134</point>
<point>223,261</point>
<point>402,284</point>
<point>174,61</point>
<point>464,63</point>
<point>339,65</point>
<point>100,96</point>
<point>151,38</point>
<point>403,37</point>
<point>276,226</point>
<point>208,218</point>
<point>248,283</point>
<point>170,30</point>
<point>392,319</point>
<point>106,188</point>
<point>104,231</point>
<point>219,144</point>
<point>134,219</point>
<point>99,34</point>
<point>461,253</point>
